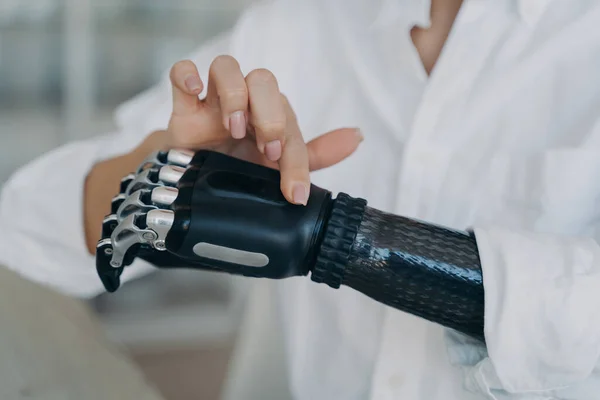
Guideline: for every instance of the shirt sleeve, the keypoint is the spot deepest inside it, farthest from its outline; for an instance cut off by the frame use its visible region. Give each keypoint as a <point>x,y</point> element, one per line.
<point>41,206</point>
<point>542,284</point>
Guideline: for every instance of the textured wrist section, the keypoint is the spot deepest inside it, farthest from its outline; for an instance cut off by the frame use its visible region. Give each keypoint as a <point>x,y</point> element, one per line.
<point>339,236</point>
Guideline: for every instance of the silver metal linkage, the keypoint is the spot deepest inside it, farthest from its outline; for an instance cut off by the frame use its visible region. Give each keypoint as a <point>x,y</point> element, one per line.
<point>179,158</point>
<point>126,235</point>
<point>141,181</point>
<point>145,195</point>
<point>143,201</point>
<point>134,204</point>
<point>160,222</point>
<point>170,174</point>
<point>164,196</point>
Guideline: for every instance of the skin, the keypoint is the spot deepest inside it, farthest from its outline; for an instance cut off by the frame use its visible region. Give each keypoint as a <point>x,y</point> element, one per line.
<point>430,41</point>
<point>247,117</point>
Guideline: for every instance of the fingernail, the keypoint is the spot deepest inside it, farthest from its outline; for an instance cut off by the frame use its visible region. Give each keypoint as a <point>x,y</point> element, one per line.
<point>299,194</point>
<point>273,150</point>
<point>193,83</point>
<point>359,134</point>
<point>237,125</point>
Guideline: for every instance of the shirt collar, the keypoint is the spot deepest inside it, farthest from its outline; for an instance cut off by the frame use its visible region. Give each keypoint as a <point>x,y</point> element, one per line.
<point>417,12</point>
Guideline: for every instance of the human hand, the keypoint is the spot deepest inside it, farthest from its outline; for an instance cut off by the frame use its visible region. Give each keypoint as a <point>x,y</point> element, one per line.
<point>249,118</point>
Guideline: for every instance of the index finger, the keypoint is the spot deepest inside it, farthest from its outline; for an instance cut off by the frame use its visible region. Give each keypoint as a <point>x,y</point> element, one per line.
<point>293,164</point>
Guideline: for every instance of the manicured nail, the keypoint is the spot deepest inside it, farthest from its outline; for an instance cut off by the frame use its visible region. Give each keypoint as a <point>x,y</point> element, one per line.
<point>359,134</point>
<point>299,194</point>
<point>193,83</point>
<point>273,150</point>
<point>237,125</point>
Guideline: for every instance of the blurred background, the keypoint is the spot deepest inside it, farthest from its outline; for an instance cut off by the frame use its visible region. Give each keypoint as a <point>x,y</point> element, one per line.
<point>64,67</point>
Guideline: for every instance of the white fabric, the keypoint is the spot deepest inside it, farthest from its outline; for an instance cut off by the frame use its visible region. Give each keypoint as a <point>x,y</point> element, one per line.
<point>504,138</point>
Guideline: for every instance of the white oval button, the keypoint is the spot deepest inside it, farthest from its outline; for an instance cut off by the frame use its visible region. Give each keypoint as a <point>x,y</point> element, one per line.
<point>230,255</point>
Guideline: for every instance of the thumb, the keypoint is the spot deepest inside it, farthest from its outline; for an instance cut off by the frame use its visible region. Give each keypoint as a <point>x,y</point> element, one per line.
<point>187,86</point>
<point>332,147</point>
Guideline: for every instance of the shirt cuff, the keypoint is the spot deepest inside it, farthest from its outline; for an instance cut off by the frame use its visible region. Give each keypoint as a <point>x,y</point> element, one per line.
<point>542,320</point>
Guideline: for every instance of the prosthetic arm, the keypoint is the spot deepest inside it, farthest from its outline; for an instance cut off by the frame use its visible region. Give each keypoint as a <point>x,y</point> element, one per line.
<point>209,211</point>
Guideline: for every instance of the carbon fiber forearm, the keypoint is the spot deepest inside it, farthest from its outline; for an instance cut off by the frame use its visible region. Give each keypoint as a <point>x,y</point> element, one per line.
<point>423,269</point>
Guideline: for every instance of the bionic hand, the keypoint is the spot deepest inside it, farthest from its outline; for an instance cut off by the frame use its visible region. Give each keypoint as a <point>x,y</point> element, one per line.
<point>209,211</point>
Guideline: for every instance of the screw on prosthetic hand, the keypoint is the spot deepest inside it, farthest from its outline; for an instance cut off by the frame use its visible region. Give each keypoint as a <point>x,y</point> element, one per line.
<point>209,211</point>
<point>140,215</point>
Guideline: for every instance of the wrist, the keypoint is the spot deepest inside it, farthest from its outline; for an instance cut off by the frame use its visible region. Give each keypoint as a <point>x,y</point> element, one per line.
<point>156,141</point>
<point>338,235</point>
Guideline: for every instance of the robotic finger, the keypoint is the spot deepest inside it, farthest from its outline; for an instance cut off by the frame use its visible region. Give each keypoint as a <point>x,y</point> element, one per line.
<point>141,215</point>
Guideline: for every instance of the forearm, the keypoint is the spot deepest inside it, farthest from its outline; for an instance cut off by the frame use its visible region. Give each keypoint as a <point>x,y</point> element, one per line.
<point>103,182</point>
<point>426,270</point>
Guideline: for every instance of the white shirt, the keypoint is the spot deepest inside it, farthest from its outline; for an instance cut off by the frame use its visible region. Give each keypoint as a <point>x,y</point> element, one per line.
<point>504,138</point>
